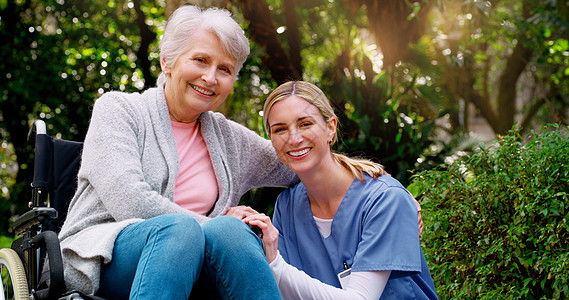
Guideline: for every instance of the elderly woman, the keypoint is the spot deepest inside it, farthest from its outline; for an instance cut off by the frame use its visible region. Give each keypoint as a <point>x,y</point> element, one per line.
<point>161,176</point>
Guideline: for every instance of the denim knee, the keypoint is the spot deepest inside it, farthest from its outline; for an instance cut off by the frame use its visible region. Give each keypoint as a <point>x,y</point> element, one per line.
<point>227,232</point>
<point>235,261</point>
<point>180,223</point>
<point>159,256</point>
<point>181,230</point>
<point>222,223</point>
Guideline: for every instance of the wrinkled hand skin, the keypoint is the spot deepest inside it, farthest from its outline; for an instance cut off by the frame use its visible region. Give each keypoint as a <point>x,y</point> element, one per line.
<point>240,212</point>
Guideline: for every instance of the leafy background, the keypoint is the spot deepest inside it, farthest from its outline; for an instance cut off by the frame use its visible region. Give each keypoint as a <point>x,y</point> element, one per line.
<point>414,83</point>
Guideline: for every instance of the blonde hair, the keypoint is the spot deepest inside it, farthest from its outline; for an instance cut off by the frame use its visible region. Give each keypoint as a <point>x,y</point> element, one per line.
<point>187,19</point>
<point>313,95</point>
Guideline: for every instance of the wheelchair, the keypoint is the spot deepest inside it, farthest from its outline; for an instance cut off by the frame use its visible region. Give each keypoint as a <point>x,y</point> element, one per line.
<point>56,164</point>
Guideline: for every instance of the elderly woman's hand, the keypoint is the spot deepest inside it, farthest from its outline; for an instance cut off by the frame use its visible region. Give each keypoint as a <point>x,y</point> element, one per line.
<point>270,233</point>
<point>240,211</point>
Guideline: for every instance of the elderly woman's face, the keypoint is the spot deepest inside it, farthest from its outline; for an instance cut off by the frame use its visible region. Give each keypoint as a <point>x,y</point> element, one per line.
<point>201,78</point>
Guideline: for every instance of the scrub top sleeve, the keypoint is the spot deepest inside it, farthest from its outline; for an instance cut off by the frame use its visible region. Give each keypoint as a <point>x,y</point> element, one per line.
<point>278,225</point>
<point>390,236</point>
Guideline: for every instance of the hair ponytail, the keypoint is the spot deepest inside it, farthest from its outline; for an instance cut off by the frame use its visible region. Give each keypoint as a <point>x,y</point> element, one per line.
<point>359,167</point>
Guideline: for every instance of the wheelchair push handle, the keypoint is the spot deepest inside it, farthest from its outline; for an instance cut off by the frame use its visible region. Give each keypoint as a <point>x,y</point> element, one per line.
<point>38,127</point>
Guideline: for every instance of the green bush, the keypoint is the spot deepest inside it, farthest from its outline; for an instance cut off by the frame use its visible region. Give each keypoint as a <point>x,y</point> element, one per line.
<point>496,221</point>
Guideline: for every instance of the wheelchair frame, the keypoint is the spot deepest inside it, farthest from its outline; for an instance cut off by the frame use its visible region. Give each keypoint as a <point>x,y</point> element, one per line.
<point>38,227</point>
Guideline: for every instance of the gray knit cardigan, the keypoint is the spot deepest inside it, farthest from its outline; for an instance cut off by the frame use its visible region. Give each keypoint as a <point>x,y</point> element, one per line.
<point>129,167</point>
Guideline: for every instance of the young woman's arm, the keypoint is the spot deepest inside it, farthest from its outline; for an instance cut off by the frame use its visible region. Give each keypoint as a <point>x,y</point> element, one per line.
<point>295,284</point>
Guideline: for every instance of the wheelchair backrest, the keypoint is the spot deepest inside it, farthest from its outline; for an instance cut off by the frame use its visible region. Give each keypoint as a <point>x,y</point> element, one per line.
<point>56,164</point>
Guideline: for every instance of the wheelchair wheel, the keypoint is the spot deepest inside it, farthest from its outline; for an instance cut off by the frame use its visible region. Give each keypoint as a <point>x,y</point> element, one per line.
<point>14,282</point>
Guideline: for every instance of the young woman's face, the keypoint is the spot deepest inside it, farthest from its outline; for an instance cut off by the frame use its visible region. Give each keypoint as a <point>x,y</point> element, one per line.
<point>200,79</point>
<point>299,134</point>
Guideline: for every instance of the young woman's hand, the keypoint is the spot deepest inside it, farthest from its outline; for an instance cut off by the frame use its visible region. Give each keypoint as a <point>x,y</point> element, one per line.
<point>270,233</point>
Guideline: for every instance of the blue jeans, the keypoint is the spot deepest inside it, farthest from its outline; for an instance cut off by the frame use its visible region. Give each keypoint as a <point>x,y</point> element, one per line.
<point>162,258</point>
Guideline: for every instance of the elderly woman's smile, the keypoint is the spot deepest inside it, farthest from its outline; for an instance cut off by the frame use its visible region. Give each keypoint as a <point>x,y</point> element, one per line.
<point>202,90</point>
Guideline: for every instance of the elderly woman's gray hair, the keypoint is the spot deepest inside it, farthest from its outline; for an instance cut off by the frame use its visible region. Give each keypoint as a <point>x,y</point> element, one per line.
<point>187,19</point>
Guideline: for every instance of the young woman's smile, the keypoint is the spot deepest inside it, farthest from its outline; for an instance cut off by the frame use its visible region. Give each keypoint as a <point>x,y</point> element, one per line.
<point>299,153</point>
<point>299,134</point>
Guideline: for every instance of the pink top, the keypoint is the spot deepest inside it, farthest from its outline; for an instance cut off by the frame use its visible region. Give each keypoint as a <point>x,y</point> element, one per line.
<point>196,185</point>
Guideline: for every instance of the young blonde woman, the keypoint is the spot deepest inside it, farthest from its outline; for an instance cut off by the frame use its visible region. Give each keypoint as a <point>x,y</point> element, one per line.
<point>347,230</point>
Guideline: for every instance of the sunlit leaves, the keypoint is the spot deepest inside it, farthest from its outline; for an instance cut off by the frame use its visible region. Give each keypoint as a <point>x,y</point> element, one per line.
<point>558,55</point>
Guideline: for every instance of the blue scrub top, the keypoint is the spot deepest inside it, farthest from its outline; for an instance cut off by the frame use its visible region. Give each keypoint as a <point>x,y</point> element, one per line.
<point>374,229</point>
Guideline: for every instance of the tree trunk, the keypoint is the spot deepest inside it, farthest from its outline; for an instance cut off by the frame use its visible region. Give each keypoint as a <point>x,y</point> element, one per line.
<point>293,36</point>
<point>147,36</point>
<point>515,65</point>
<point>390,24</point>
<point>262,31</point>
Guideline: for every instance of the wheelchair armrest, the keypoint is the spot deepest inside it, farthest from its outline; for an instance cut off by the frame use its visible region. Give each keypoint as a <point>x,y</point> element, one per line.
<point>56,280</point>
<point>36,216</point>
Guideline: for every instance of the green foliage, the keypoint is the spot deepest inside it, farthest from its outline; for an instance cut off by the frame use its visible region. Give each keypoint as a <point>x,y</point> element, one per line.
<point>245,103</point>
<point>70,53</point>
<point>474,42</point>
<point>497,221</point>
<point>8,169</point>
<point>388,128</point>
<point>5,242</point>
<point>58,57</point>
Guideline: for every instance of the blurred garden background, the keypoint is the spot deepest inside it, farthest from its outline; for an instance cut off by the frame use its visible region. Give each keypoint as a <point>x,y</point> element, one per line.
<point>466,102</point>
